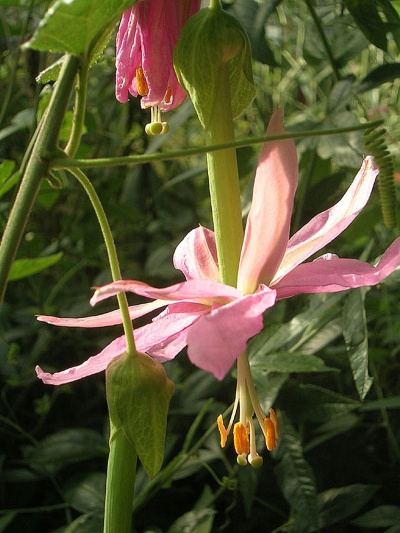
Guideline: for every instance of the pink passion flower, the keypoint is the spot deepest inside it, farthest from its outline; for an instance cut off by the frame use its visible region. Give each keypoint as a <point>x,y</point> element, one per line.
<point>146,38</point>
<point>215,320</point>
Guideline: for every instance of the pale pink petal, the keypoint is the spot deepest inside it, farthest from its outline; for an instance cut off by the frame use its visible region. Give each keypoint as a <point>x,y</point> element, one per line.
<point>216,340</point>
<point>165,337</point>
<point>201,290</point>
<point>107,319</point>
<point>196,255</point>
<point>268,224</point>
<point>335,274</point>
<point>323,228</point>
<point>91,366</point>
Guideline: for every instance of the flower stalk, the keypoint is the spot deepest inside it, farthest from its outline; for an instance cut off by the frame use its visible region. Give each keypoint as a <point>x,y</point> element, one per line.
<point>224,184</point>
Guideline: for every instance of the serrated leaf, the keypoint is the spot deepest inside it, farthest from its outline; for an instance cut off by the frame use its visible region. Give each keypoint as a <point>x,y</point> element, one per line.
<point>296,479</point>
<point>23,268</point>
<point>76,26</point>
<point>87,494</point>
<point>382,516</point>
<point>378,76</point>
<point>288,362</point>
<point>340,503</point>
<point>367,18</point>
<point>355,334</point>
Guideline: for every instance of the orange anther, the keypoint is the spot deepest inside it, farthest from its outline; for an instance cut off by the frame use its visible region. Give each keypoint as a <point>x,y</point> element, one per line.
<point>168,94</point>
<point>274,419</point>
<point>241,439</point>
<point>222,431</point>
<point>270,438</point>
<point>141,82</point>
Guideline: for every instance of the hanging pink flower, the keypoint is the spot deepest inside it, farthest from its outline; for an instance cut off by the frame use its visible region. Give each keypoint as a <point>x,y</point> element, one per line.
<point>214,320</point>
<point>146,38</point>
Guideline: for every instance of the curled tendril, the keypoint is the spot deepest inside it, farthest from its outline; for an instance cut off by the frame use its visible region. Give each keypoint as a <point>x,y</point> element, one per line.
<point>374,140</point>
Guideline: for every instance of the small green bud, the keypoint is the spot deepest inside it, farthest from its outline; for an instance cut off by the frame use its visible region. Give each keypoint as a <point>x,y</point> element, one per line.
<point>210,40</point>
<point>138,396</point>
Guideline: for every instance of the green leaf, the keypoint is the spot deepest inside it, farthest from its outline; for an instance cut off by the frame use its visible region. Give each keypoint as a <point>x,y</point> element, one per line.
<point>87,494</point>
<point>22,121</point>
<point>339,503</point>
<point>253,16</point>
<point>65,447</point>
<point>367,18</point>
<point>296,479</point>
<point>23,268</point>
<point>86,523</point>
<point>356,337</point>
<point>382,516</point>
<point>300,330</point>
<point>210,39</point>
<point>77,26</point>
<point>340,95</point>
<point>138,396</point>
<point>194,522</point>
<point>7,178</point>
<point>6,520</point>
<point>384,403</point>
<point>382,74</point>
<point>288,362</point>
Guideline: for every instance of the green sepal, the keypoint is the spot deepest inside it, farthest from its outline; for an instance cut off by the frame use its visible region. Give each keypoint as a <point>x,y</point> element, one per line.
<point>209,40</point>
<point>138,396</point>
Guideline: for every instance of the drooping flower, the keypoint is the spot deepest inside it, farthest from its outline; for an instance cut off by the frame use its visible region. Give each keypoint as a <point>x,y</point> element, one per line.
<point>215,320</point>
<point>146,38</point>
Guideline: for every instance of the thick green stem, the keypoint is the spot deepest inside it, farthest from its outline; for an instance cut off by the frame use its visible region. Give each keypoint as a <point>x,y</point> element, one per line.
<point>112,255</point>
<point>79,111</point>
<point>36,168</point>
<point>121,473</point>
<point>224,184</point>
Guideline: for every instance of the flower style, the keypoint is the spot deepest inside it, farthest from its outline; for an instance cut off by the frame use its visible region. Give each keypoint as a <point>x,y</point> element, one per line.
<point>215,320</point>
<point>146,38</point>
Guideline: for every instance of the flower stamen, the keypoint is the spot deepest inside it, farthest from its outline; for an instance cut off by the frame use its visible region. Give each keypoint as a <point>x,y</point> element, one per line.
<point>141,82</point>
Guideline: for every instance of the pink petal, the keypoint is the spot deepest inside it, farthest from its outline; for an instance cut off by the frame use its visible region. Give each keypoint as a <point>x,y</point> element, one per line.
<point>323,228</point>
<point>217,339</point>
<point>107,319</point>
<point>268,223</point>
<point>196,255</point>
<point>335,274</point>
<point>165,337</point>
<point>91,366</point>
<point>201,290</point>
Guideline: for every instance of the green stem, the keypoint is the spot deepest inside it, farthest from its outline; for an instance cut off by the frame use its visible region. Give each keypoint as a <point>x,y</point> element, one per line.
<point>79,110</point>
<point>121,473</point>
<point>63,163</point>
<point>224,183</point>
<point>36,168</point>
<point>112,255</point>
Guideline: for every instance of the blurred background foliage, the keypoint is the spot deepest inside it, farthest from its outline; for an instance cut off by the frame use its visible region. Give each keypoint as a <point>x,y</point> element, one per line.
<point>328,63</point>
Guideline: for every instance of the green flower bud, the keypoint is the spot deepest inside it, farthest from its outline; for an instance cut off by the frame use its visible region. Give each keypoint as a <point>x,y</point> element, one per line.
<point>138,396</point>
<point>210,40</point>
